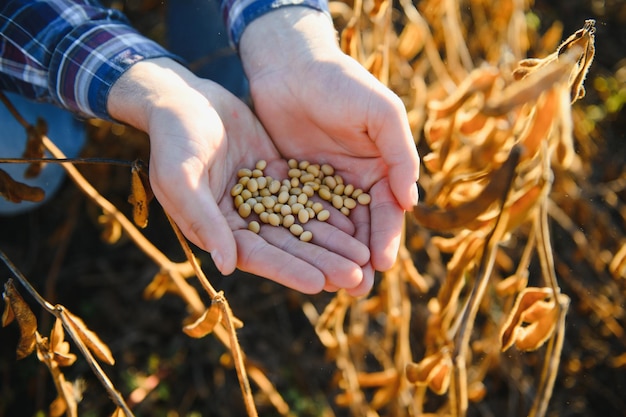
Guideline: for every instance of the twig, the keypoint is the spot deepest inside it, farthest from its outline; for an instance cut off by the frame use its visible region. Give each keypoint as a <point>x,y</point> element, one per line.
<point>59,312</point>
<point>487,261</point>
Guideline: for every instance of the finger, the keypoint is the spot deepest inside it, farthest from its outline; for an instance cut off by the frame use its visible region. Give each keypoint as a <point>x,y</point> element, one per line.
<point>258,257</point>
<point>391,132</point>
<point>336,269</point>
<point>366,284</point>
<point>335,240</point>
<point>196,213</point>
<point>386,226</point>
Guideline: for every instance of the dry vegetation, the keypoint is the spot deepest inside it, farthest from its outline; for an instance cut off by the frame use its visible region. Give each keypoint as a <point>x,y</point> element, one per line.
<point>506,299</point>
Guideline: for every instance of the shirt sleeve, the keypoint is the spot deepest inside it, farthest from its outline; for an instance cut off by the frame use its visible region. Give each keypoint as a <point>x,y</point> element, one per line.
<point>237,14</point>
<point>68,52</point>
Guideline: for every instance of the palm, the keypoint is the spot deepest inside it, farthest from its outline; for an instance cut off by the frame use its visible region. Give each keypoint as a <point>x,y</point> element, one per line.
<point>334,111</point>
<point>196,154</point>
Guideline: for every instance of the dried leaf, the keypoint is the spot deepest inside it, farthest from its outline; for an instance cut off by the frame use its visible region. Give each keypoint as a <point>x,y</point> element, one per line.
<point>411,41</point>
<point>532,320</point>
<point>205,323</point>
<point>16,192</point>
<point>59,347</point>
<point>140,195</point>
<point>448,219</point>
<point>161,284</point>
<point>617,267</point>
<point>112,231</point>
<point>65,402</point>
<point>89,338</point>
<point>35,147</point>
<point>25,318</point>
<point>434,370</point>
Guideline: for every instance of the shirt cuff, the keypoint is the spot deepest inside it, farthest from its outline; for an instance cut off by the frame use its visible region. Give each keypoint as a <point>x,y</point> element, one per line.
<point>238,14</point>
<point>91,58</point>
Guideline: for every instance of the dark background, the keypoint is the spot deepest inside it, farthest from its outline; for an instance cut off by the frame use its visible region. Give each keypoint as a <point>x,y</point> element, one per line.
<point>59,249</point>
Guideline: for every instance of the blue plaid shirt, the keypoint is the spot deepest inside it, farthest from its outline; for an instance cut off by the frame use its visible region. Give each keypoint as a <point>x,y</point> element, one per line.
<point>72,52</point>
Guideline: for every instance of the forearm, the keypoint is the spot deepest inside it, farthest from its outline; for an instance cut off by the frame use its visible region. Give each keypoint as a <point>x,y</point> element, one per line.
<point>68,52</point>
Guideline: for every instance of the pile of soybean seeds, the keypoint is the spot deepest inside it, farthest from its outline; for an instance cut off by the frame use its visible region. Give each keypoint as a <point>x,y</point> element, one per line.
<point>289,202</point>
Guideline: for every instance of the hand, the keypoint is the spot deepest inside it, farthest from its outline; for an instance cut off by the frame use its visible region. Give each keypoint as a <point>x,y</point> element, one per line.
<point>317,103</point>
<point>200,135</point>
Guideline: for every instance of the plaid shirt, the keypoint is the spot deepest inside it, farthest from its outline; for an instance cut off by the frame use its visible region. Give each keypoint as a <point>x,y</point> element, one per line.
<point>72,52</point>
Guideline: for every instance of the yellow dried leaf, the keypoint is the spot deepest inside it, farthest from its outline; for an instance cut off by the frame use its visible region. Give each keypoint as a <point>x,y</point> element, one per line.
<point>434,370</point>
<point>57,407</point>
<point>161,284</point>
<point>455,217</point>
<point>138,197</point>
<point>411,41</point>
<point>89,338</point>
<point>205,323</point>
<point>532,320</point>
<point>25,318</point>
<point>16,192</point>
<point>112,229</point>
<point>65,402</point>
<point>512,285</point>
<point>59,347</point>
<point>617,267</point>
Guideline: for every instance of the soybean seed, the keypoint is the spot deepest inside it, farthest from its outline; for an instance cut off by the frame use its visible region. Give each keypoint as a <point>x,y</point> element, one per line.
<point>292,163</point>
<point>349,203</point>
<point>303,198</point>
<point>254,226</point>
<point>364,199</point>
<point>285,209</point>
<point>244,172</point>
<point>306,236</point>
<point>246,194</point>
<point>348,189</point>
<point>317,207</point>
<point>256,173</point>
<point>337,201</point>
<point>345,211</point>
<point>262,181</point>
<point>327,169</point>
<point>294,173</point>
<point>274,186</point>
<point>283,197</point>
<point>303,216</point>
<point>337,190</point>
<point>325,194</point>
<point>244,210</point>
<point>331,182</point>
<point>268,202</point>
<point>304,164</point>
<point>296,229</point>
<point>264,217</point>
<point>273,219</point>
<point>323,215</point>
<point>236,190</point>
<point>258,208</point>
<point>288,220</point>
<point>238,201</point>
<point>261,164</point>
<point>252,185</point>
<point>295,208</point>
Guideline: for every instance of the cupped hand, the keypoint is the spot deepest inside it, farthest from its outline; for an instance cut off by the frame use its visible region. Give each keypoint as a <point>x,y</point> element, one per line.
<point>319,104</point>
<point>200,136</point>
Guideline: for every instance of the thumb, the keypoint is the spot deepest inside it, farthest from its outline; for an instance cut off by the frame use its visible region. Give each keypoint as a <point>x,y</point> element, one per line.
<point>394,140</point>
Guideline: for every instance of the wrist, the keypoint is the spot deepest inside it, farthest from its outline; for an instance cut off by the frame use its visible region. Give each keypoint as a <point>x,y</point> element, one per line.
<point>146,86</point>
<point>287,36</point>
